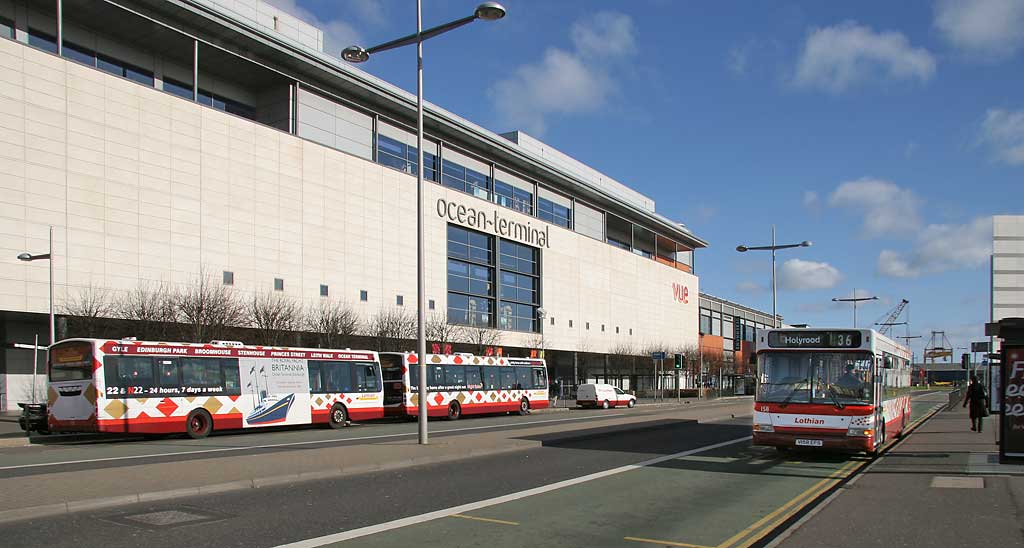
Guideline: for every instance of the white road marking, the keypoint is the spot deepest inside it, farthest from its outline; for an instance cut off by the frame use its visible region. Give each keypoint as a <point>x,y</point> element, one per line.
<point>472,506</point>
<point>297,443</point>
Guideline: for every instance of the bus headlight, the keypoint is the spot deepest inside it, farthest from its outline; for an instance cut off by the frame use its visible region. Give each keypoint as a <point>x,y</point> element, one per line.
<point>860,431</point>
<point>758,427</point>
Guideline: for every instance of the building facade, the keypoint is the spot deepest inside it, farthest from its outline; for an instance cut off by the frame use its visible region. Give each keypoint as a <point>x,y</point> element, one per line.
<point>1007,294</point>
<point>169,142</point>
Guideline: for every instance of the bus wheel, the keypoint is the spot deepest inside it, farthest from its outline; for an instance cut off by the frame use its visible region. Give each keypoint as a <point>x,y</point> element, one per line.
<point>454,411</point>
<point>199,424</point>
<point>524,407</point>
<point>338,417</point>
<point>605,405</point>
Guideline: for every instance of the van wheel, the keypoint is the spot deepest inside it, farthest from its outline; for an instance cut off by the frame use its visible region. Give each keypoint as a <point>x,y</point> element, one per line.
<point>605,405</point>
<point>454,411</point>
<point>524,406</point>
<point>631,404</point>
<point>199,424</point>
<point>338,417</point>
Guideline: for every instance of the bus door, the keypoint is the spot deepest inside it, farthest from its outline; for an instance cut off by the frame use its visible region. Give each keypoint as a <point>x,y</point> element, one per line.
<point>878,397</point>
<point>393,374</point>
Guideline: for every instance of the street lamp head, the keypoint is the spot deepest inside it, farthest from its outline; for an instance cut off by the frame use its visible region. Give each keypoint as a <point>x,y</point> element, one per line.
<point>835,299</point>
<point>741,248</point>
<point>489,11</point>
<point>541,313</point>
<point>25,257</point>
<point>355,54</point>
<point>805,243</point>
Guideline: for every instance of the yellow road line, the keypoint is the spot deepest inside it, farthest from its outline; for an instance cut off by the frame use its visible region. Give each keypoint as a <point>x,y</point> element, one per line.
<point>810,493</point>
<point>489,520</point>
<point>665,542</point>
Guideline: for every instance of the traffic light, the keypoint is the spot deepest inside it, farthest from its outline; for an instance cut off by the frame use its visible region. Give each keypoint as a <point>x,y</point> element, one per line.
<point>679,361</point>
<point>965,361</point>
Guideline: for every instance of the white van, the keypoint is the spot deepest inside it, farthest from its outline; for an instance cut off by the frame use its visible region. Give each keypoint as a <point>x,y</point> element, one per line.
<point>603,395</point>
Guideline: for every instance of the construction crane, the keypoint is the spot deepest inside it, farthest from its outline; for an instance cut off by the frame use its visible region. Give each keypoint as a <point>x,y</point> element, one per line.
<point>891,317</point>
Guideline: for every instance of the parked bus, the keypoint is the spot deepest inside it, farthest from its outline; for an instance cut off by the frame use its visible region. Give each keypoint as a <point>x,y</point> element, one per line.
<point>460,384</point>
<point>162,387</point>
<point>845,389</point>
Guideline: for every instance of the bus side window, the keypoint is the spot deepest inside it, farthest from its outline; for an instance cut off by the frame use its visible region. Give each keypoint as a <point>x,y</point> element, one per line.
<point>229,372</point>
<point>508,378</point>
<point>523,378</point>
<point>492,378</point>
<point>539,378</point>
<point>474,380</point>
<point>134,373</point>
<point>315,382</point>
<point>167,371</point>
<point>366,378</point>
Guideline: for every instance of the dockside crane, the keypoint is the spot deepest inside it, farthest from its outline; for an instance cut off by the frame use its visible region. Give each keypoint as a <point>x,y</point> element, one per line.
<point>890,318</point>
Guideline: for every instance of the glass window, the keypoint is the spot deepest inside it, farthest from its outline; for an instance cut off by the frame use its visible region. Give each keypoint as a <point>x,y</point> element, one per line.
<point>553,212</point>
<point>316,385</point>
<point>367,379</point>
<point>524,378</point>
<point>492,378</point>
<point>833,378</point>
<point>643,242</point>
<point>474,378</point>
<point>589,221</point>
<point>42,40</point>
<point>337,377</point>
<point>167,373</point>
<point>705,324</point>
<point>79,54</point>
<point>178,88</point>
<point>455,376</point>
<point>6,28</point>
<point>132,373</point>
<point>470,277</point>
<point>229,372</point>
<point>508,378</point>
<point>512,197</point>
<point>394,153</point>
<point>620,232</point>
<point>200,372</point>
<point>540,377</point>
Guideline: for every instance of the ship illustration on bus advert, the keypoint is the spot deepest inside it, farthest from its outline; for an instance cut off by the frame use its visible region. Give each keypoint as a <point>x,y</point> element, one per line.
<point>269,410</point>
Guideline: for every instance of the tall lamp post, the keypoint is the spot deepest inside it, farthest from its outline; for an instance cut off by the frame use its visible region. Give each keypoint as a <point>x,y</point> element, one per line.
<point>49,257</point>
<point>855,299</point>
<point>541,314</point>
<point>488,11</point>
<point>773,248</point>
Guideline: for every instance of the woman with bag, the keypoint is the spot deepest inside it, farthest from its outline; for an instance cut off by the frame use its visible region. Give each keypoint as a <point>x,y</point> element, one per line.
<point>978,400</point>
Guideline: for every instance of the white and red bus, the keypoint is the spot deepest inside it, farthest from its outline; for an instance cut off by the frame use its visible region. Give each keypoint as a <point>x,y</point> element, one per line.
<point>459,384</point>
<point>163,387</point>
<point>844,389</point>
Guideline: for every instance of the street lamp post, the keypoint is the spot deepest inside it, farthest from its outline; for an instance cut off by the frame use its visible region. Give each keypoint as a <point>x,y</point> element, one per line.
<point>541,314</point>
<point>773,248</point>
<point>855,299</point>
<point>488,11</point>
<point>49,257</point>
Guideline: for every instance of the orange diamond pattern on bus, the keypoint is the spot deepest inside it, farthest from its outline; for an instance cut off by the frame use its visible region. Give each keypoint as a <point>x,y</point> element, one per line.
<point>435,359</point>
<point>479,396</point>
<point>51,397</point>
<point>319,401</point>
<point>213,405</point>
<point>457,360</point>
<point>90,394</point>
<point>116,408</point>
<point>461,397</point>
<point>438,399</point>
<point>415,399</point>
<point>167,407</point>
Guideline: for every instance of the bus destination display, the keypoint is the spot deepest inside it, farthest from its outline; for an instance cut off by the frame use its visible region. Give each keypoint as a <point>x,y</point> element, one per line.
<point>814,339</point>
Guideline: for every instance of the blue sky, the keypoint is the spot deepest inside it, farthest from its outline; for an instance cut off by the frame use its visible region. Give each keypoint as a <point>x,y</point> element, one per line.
<point>887,133</point>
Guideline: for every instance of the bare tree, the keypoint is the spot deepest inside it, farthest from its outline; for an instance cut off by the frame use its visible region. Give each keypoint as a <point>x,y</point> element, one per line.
<point>90,306</point>
<point>149,310</point>
<point>440,331</point>
<point>389,327</point>
<point>481,337</point>
<point>333,322</point>
<point>207,310</point>
<point>274,316</point>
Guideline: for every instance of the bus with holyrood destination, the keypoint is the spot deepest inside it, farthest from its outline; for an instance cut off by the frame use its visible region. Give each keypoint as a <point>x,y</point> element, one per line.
<point>463,384</point>
<point>841,389</point>
<point>129,386</point>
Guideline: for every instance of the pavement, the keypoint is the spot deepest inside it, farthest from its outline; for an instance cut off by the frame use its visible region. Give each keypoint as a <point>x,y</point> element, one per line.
<point>30,492</point>
<point>941,486</point>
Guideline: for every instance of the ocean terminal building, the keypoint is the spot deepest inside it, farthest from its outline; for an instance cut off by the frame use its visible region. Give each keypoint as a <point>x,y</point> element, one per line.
<point>173,141</point>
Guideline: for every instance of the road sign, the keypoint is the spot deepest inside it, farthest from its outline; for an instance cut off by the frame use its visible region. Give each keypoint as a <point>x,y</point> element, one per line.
<point>979,346</point>
<point>657,355</point>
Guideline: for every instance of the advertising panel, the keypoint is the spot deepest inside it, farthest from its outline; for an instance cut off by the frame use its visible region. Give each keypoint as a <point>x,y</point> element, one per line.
<point>278,390</point>
<point>1013,402</point>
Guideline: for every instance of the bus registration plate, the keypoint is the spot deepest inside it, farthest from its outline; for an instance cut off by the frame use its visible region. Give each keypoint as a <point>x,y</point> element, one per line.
<point>808,443</point>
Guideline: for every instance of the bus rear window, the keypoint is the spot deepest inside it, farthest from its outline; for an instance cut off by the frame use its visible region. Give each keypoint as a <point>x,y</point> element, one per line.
<point>71,361</point>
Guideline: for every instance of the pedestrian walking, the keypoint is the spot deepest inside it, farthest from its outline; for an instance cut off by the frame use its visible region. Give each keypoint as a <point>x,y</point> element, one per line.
<point>978,400</point>
<point>556,390</point>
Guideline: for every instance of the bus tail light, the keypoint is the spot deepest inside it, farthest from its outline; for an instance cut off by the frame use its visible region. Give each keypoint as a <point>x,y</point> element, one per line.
<point>758,427</point>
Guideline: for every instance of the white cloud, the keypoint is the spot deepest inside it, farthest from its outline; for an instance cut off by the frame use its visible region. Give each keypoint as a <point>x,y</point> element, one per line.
<point>939,248</point>
<point>738,60</point>
<point>800,274</point>
<point>888,209</point>
<point>838,57</point>
<point>567,82</point>
<point>750,287</point>
<point>1003,130</point>
<point>811,200</point>
<point>989,28</point>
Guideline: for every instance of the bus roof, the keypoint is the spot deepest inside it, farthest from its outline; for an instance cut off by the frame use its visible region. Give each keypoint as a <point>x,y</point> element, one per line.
<point>155,348</point>
<point>469,359</point>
